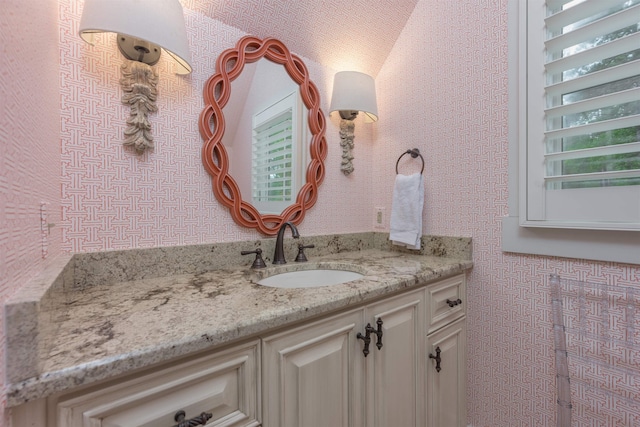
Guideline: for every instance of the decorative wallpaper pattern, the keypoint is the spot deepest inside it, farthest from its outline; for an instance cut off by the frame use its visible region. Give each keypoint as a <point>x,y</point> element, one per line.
<point>334,33</point>
<point>455,85</point>
<point>29,147</point>
<point>442,88</point>
<point>115,199</point>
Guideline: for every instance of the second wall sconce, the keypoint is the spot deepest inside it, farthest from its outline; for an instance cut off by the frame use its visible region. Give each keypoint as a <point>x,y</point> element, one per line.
<point>353,92</point>
<point>144,28</point>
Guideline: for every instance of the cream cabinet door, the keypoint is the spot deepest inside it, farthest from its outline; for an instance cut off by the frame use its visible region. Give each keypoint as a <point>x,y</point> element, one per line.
<point>225,384</point>
<point>395,385</point>
<point>312,375</point>
<point>446,387</point>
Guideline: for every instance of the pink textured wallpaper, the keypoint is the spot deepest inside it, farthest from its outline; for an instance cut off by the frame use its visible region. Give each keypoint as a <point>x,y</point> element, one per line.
<point>443,89</point>
<point>114,199</point>
<point>320,28</point>
<point>29,146</point>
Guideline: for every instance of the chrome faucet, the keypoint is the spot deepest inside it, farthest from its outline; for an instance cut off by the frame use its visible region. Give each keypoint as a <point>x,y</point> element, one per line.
<point>278,256</point>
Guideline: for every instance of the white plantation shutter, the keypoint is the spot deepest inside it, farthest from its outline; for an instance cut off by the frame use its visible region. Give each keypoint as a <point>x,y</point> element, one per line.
<point>583,114</point>
<point>272,160</point>
<point>273,178</point>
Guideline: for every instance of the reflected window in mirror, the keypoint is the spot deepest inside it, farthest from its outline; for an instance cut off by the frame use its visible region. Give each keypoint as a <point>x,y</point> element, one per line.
<point>279,148</point>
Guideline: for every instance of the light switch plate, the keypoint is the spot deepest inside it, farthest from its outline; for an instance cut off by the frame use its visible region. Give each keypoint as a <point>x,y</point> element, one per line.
<point>379,218</point>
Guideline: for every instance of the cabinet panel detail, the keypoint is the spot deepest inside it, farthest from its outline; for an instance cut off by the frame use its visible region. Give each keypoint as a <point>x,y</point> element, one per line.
<point>446,388</point>
<point>224,385</point>
<point>446,302</point>
<point>395,373</point>
<point>310,375</point>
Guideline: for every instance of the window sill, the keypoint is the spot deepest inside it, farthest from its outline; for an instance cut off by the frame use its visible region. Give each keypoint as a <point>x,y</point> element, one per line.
<point>596,245</point>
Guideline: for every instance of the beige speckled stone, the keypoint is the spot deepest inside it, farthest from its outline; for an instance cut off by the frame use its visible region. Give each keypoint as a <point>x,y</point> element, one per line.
<point>110,327</point>
<point>28,325</point>
<point>100,268</point>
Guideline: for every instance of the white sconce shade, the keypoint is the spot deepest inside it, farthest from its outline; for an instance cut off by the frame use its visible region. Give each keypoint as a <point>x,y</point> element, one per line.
<point>160,22</point>
<point>355,92</point>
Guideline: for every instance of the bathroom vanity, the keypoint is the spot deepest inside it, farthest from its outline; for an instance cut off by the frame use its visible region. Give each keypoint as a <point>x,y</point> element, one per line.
<point>385,349</point>
<point>317,375</point>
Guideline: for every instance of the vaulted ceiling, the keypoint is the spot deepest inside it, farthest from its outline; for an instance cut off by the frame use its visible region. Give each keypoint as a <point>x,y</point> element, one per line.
<point>341,34</point>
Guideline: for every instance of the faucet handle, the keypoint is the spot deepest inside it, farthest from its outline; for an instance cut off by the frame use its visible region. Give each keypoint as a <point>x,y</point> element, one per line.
<point>258,262</point>
<point>301,256</point>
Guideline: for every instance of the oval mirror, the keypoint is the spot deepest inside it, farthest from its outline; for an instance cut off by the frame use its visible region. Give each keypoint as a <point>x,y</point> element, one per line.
<point>267,163</point>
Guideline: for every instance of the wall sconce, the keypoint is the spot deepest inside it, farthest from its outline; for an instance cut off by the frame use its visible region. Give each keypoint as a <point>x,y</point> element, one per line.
<point>144,27</point>
<point>353,92</point>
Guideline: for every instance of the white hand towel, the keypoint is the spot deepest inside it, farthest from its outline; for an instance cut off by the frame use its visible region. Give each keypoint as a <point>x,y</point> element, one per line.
<point>406,211</point>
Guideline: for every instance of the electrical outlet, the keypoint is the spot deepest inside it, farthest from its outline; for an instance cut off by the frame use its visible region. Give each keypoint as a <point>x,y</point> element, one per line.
<point>378,221</point>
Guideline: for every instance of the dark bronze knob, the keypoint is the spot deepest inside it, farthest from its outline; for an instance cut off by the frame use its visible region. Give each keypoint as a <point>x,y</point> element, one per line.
<point>201,419</point>
<point>454,303</point>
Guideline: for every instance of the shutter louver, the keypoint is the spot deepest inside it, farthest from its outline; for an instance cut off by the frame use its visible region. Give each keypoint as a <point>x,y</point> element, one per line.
<point>592,94</point>
<point>272,160</point>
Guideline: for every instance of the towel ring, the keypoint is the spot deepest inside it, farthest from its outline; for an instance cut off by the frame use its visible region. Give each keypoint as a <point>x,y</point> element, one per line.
<point>414,153</point>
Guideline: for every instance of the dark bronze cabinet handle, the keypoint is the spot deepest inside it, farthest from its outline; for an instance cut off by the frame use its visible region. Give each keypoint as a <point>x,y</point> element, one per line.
<point>201,419</point>
<point>437,358</point>
<point>367,337</point>
<point>454,303</point>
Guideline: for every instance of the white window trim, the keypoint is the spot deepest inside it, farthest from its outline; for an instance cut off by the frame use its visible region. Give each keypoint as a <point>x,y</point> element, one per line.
<point>601,245</point>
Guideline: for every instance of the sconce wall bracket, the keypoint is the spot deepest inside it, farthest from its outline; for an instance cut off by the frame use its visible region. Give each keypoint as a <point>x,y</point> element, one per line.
<point>138,49</point>
<point>348,114</point>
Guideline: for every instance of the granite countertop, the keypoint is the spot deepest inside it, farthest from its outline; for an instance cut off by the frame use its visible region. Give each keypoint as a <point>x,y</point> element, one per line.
<point>98,332</point>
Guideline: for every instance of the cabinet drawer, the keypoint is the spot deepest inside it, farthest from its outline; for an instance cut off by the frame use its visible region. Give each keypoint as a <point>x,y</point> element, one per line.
<point>445,302</point>
<point>225,384</point>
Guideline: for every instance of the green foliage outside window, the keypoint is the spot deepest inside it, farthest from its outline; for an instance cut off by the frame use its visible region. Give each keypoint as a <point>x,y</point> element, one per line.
<point>615,162</point>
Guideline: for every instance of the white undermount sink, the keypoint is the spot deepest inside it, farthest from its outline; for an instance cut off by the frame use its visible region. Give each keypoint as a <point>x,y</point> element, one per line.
<point>310,278</point>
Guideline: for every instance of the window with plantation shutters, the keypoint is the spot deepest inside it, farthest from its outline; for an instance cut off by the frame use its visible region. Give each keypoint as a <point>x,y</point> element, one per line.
<point>273,173</point>
<point>581,124</point>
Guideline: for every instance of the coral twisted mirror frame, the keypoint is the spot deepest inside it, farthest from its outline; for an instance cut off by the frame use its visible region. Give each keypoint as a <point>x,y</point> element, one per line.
<point>217,91</point>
